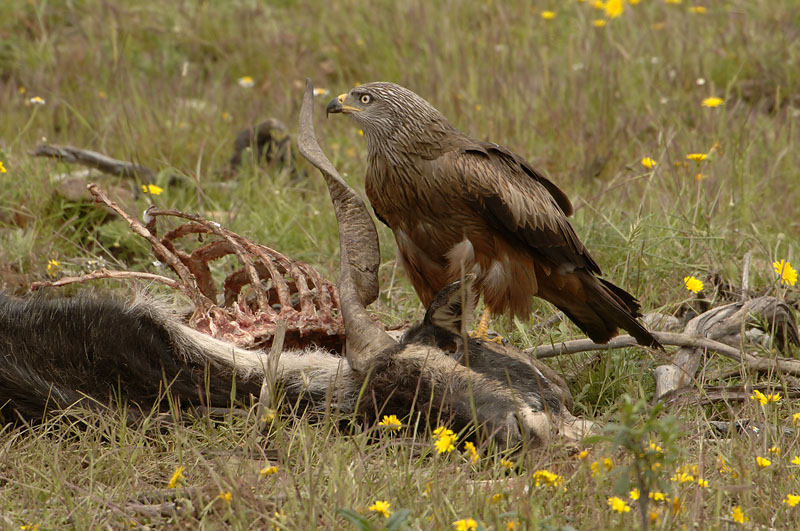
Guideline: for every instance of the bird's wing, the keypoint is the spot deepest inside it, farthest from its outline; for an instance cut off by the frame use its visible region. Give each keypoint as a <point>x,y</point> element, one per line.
<point>516,201</point>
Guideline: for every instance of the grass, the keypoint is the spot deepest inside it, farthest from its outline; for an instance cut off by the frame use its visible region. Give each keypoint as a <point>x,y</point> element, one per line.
<point>156,83</point>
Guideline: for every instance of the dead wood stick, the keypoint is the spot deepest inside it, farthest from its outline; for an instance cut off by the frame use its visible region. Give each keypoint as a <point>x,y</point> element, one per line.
<point>670,338</point>
<point>96,160</point>
<point>106,273</point>
<point>713,394</point>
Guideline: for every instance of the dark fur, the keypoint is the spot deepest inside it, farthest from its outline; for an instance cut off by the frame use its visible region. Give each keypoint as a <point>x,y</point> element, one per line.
<point>55,353</point>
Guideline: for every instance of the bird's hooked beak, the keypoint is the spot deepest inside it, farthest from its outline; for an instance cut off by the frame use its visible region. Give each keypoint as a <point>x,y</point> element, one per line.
<point>338,105</point>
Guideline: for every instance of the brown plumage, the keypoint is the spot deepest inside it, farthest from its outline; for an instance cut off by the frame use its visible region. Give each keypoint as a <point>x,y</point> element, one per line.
<point>459,204</point>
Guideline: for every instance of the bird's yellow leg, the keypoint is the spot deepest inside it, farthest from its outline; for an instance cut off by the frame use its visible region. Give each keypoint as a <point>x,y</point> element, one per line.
<point>482,330</point>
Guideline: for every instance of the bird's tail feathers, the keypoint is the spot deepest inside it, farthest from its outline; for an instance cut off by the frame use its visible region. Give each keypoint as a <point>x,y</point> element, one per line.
<point>606,308</point>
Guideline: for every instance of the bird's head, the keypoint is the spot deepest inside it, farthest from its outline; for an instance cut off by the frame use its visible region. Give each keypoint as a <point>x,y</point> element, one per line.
<point>383,109</point>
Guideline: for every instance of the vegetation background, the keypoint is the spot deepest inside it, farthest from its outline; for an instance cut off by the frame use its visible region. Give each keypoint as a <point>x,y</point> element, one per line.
<point>583,90</point>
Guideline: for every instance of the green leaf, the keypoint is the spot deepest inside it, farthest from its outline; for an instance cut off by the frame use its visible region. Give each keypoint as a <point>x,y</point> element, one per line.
<point>360,523</point>
<point>397,520</point>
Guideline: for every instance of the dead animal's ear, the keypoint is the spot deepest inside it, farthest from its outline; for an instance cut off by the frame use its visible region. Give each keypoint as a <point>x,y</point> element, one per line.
<point>454,306</point>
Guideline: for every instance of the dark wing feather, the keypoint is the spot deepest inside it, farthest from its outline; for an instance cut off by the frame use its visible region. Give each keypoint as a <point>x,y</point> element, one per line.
<point>517,201</point>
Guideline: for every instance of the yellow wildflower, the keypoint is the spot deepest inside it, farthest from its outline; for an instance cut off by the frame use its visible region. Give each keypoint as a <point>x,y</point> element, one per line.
<point>699,177</point>
<point>245,81</point>
<point>702,482</point>
<point>497,498</point>
<point>697,157</point>
<point>763,462</point>
<point>2,168</point>
<point>544,477</point>
<point>786,272</point>
<point>511,525</point>
<point>445,440</point>
<point>321,91</point>
<point>648,163</point>
<point>585,453</point>
<point>599,23</point>
<point>507,464</point>
<point>226,116</point>
<point>36,100</point>
<point>391,422</point>
<point>608,464</point>
<point>177,478</point>
<point>226,496</point>
<point>22,90</point>
<point>600,6</point>
<point>634,494</point>
<point>655,447</point>
<point>30,527</point>
<point>548,15</point>
<point>101,94</point>
<point>53,267</point>
<point>618,505</point>
<point>269,415</point>
<point>738,515</point>
<point>791,500</point>
<point>653,515</point>
<point>682,477</point>
<point>614,8</point>
<point>673,2</point>
<point>796,419</point>
<point>712,102</point>
<point>478,107</point>
<point>381,507</point>
<point>774,398</point>
<point>465,524</point>
<point>657,496</point>
<point>471,452</point>
<point>725,469</point>
<point>152,189</point>
<point>677,505</point>
<point>699,10</point>
<point>758,395</point>
<point>595,469</point>
<point>633,2</point>
<point>360,132</point>
<point>774,450</point>
<point>796,460</point>
<point>268,471</point>
<point>693,284</point>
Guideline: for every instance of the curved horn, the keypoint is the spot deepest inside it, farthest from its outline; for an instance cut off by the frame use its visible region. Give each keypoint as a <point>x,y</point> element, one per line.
<point>358,244</point>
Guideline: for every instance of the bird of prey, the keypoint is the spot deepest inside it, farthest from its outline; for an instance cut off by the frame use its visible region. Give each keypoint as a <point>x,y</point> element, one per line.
<point>458,205</point>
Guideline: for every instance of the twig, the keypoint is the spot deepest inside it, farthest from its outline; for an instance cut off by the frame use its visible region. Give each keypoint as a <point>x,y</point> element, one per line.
<point>746,274</point>
<point>95,160</point>
<point>669,338</point>
<point>106,273</point>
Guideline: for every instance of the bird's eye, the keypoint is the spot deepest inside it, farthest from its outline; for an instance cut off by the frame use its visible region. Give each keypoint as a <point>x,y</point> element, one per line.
<point>366,98</point>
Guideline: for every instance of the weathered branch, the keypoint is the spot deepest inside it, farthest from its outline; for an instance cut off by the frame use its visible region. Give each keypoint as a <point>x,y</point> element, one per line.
<point>785,365</point>
<point>106,273</point>
<point>95,160</point>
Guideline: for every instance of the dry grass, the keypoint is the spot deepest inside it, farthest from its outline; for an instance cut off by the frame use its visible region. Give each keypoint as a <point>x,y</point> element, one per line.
<point>155,82</point>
